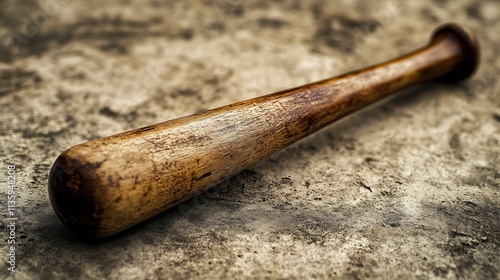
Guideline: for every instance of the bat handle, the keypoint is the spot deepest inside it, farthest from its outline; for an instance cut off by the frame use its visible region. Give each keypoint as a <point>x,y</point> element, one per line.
<point>104,186</point>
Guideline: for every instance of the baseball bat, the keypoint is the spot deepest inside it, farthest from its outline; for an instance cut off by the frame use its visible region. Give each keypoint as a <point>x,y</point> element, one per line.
<point>104,186</point>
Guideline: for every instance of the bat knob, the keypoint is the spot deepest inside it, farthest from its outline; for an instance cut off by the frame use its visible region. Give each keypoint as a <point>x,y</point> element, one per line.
<point>469,46</point>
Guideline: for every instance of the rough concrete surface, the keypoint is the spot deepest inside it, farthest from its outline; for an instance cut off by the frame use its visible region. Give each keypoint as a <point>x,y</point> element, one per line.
<point>408,188</point>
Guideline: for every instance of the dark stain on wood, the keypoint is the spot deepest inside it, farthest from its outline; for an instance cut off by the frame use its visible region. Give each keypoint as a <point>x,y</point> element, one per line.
<point>72,196</point>
<point>203,176</point>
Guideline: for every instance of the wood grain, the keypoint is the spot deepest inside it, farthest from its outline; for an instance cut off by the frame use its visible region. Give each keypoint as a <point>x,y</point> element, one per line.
<point>104,186</point>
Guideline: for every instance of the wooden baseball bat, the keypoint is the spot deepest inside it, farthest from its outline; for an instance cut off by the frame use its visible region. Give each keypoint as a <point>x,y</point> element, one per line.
<point>104,186</point>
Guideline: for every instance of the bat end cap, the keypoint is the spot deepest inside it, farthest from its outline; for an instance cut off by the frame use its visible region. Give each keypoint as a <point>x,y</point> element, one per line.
<point>71,199</point>
<point>470,47</point>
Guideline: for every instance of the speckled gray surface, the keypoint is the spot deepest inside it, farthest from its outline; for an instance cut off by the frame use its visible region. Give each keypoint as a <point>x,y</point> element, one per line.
<point>408,188</point>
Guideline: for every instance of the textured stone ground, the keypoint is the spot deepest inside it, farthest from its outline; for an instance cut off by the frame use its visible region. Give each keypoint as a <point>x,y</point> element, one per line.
<point>408,188</point>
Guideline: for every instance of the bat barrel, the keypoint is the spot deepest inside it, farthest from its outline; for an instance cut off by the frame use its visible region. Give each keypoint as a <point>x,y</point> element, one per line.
<point>104,186</point>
